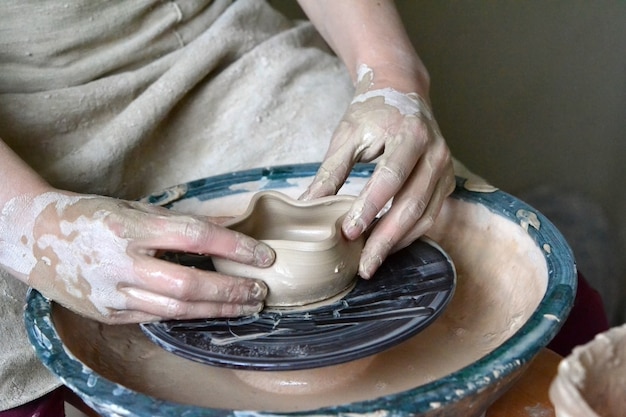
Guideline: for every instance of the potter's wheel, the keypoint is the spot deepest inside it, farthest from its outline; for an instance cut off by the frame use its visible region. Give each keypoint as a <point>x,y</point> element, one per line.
<point>507,255</point>
<point>407,293</point>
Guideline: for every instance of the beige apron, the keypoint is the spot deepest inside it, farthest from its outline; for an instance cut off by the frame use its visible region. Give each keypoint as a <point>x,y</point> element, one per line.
<point>127,98</point>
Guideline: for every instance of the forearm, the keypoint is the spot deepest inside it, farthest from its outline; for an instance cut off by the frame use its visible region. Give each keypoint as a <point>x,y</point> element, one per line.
<point>17,177</point>
<point>370,32</point>
<point>18,187</point>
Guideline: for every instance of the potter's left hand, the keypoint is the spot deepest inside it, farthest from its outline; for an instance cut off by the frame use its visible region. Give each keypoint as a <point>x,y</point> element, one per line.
<point>414,169</point>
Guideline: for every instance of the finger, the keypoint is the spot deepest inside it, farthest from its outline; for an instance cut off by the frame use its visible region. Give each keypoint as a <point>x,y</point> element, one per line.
<point>392,171</point>
<point>335,168</point>
<point>433,172</point>
<point>426,221</point>
<point>165,307</point>
<point>220,220</point>
<point>197,235</point>
<point>192,284</point>
<point>129,317</point>
<point>413,212</point>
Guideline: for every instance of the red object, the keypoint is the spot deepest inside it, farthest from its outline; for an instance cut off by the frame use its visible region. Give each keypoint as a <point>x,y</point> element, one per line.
<point>587,318</point>
<point>50,405</point>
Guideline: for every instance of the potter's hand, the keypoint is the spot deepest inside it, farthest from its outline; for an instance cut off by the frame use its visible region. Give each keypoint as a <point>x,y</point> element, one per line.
<point>95,255</point>
<point>414,168</point>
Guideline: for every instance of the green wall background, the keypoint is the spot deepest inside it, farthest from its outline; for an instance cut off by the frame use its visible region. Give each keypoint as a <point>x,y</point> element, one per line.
<point>533,94</point>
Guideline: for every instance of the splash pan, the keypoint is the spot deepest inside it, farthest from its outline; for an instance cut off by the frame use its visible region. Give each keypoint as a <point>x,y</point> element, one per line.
<point>516,281</point>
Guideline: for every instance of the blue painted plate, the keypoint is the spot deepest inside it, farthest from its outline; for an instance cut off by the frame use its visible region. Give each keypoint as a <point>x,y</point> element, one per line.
<point>410,290</point>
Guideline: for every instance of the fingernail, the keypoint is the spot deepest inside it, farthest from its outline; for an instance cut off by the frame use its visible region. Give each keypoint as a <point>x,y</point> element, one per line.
<point>315,190</point>
<point>368,266</point>
<point>258,292</point>
<point>305,195</point>
<point>248,309</point>
<point>353,227</point>
<point>263,255</point>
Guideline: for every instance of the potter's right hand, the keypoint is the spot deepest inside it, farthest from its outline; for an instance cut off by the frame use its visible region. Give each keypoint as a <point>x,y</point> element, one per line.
<point>96,256</point>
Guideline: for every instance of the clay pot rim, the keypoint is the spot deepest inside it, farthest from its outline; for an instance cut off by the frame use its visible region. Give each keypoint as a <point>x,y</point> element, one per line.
<point>566,384</point>
<point>296,245</point>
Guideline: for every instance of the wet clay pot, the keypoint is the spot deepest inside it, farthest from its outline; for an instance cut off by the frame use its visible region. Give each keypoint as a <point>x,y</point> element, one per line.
<point>314,261</point>
<point>591,381</point>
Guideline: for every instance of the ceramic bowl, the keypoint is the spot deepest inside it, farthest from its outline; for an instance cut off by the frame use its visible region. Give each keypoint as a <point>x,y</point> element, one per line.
<point>515,287</point>
<point>314,261</point>
<point>591,381</point>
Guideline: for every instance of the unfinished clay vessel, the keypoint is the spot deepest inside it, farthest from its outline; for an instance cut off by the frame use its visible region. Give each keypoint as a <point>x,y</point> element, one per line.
<point>591,381</point>
<point>314,261</point>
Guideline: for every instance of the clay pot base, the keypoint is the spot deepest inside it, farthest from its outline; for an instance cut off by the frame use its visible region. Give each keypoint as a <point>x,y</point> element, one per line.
<point>311,306</point>
<point>408,292</point>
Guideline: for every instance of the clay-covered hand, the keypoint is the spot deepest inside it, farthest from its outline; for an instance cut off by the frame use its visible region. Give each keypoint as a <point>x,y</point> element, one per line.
<point>96,256</point>
<point>414,171</point>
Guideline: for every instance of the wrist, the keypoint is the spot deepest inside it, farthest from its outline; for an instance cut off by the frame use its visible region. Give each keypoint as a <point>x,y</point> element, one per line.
<point>24,220</point>
<point>404,78</point>
<point>19,178</point>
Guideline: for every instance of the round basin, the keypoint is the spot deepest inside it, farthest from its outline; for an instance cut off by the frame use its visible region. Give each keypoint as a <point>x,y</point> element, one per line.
<point>516,280</point>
